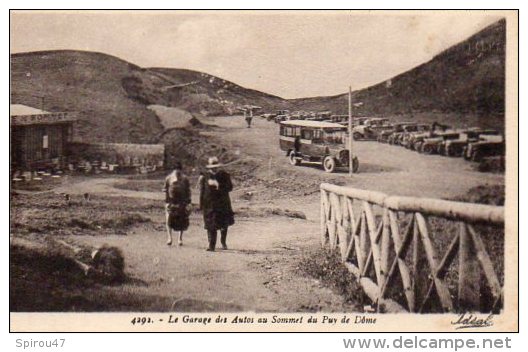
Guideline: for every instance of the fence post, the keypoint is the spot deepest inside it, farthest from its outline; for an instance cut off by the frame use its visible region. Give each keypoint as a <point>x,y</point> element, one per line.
<point>364,248</point>
<point>344,228</point>
<point>324,203</point>
<point>468,273</point>
<point>385,247</point>
<point>419,270</point>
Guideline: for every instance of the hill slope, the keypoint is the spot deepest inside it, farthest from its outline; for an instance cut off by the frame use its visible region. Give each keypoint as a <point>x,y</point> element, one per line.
<point>466,78</point>
<point>111,96</point>
<point>86,83</point>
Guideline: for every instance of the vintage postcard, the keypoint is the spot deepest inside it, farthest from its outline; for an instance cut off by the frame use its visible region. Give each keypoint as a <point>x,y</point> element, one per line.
<point>283,171</point>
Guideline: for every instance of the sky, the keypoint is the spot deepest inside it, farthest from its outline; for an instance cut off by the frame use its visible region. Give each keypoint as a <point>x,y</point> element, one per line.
<point>289,54</point>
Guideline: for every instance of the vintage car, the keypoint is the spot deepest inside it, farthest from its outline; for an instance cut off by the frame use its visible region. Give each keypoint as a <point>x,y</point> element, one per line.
<point>296,115</point>
<point>319,116</point>
<point>398,127</point>
<point>359,121</point>
<point>433,144</point>
<point>343,120</point>
<point>396,137</point>
<point>323,115</point>
<point>282,115</point>
<point>316,141</point>
<point>268,117</point>
<point>340,119</point>
<point>414,134</point>
<point>456,147</point>
<point>487,145</point>
<point>370,128</point>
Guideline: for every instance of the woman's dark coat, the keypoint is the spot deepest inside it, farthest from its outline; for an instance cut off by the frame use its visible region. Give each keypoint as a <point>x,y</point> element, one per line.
<point>177,197</point>
<point>215,203</point>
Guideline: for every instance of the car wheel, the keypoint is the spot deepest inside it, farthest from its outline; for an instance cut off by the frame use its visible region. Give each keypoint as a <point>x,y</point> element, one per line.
<point>357,136</point>
<point>329,164</point>
<point>293,158</point>
<point>476,156</point>
<point>465,153</point>
<point>427,149</point>
<point>355,165</point>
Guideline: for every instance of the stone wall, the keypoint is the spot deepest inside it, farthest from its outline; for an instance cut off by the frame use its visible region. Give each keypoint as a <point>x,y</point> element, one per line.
<point>119,153</point>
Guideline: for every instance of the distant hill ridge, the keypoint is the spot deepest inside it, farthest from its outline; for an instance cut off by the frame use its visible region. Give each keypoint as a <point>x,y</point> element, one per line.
<point>466,78</point>
<point>111,96</point>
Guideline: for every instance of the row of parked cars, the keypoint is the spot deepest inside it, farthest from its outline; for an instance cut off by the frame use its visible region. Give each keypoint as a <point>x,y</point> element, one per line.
<point>471,143</point>
<point>286,115</point>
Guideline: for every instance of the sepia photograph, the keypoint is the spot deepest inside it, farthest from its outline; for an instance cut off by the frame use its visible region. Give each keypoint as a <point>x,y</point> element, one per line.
<point>263,171</point>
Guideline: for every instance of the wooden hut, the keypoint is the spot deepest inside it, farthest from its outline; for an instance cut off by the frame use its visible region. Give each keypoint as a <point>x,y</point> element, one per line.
<point>39,139</point>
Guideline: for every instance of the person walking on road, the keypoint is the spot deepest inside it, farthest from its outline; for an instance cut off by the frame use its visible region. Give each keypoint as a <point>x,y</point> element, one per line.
<point>177,203</point>
<point>215,203</point>
<point>249,117</point>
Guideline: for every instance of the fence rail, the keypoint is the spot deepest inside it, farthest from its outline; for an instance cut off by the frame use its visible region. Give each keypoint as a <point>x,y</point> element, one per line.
<point>400,269</point>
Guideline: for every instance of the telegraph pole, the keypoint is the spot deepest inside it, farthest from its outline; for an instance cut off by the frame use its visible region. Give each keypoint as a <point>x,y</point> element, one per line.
<point>350,156</point>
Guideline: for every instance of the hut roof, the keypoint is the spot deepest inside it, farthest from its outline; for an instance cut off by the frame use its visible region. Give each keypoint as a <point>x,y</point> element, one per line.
<point>19,109</point>
<point>26,115</point>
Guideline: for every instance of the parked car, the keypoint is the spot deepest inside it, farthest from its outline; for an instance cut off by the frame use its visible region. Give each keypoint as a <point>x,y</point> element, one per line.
<point>385,136</point>
<point>282,115</point>
<point>316,141</point>
<point>323,115</point>
<point>487,145</point>
<point>343,120</point>
<point>370,128</point>
<point>416,140</point>
<point>396,138</point>
<point>432,145</point>
<point>414,134</point>
<point>340,119</point>
<point>296,115</point>
<point>268,117</point>
<point>359,120</point>
<point>456,147</point>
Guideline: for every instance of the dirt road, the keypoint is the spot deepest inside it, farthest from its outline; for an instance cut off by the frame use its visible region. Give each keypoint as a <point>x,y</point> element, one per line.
<point>383,167</point>
<point>260,271</point>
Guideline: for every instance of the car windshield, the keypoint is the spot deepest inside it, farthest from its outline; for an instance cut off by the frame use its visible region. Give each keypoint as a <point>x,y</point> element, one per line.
<point>334,136</point>
<point>423,128</point>
<point>379,122</point>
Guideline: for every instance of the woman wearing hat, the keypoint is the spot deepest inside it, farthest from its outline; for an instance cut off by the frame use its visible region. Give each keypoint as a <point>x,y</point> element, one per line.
<point>177,203</point>
<point>215,203</point>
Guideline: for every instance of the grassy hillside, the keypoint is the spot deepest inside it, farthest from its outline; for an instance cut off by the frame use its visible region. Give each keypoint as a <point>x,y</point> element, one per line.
<point>89,84</point>
<point>210,95</point>
<point>464,85</point>
<point>111,96</point>
<point>466,79</point>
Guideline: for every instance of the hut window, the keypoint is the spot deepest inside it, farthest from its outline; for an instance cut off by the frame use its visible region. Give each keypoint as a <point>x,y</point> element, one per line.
<point>297,131</point>
<point>317,135</point>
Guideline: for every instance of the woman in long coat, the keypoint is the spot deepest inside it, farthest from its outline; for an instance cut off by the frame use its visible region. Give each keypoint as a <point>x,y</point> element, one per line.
<point>215,203</point>
<point>177,203</point>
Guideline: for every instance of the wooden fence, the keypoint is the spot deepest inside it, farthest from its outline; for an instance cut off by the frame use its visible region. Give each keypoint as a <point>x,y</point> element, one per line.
<point>389,246</point>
